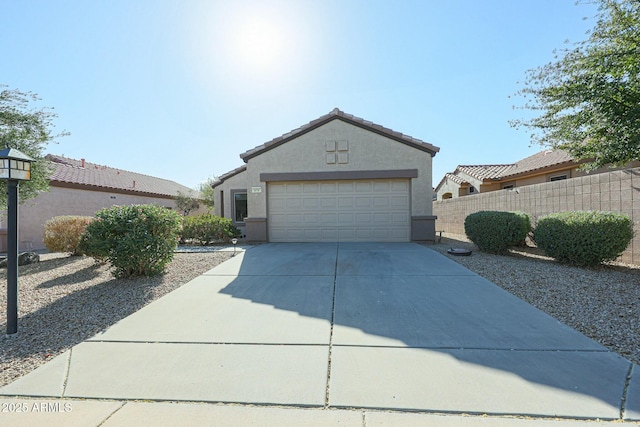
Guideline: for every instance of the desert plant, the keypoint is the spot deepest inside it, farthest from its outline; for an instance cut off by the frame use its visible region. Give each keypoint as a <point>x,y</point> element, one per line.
<point>63,233</point>
<point>584,238</point>
<point>495,232</point>
<point>208,228</point>
<point>137,240</point>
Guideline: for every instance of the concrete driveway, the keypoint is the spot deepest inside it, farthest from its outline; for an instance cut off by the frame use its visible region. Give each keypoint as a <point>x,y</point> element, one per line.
<point>381,328</point>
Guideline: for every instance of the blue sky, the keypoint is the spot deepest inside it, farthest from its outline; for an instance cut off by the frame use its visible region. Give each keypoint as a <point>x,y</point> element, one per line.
<point>179,88</point>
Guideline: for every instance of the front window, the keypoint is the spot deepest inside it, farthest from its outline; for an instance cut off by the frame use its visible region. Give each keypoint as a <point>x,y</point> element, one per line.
<point>239,206</point>
<point>558,178</point>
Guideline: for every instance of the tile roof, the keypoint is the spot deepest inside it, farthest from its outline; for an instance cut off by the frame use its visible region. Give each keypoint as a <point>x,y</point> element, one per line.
<point>229,174</point>
<point>455,178</point>
<point>541,160</point>
<point>485,171</point>
<point>348,118</point>
<point>80,173</point>
<point>538,161</point>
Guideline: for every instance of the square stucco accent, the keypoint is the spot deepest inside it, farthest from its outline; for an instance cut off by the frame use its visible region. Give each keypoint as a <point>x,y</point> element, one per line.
<point>423,228</point>
<point>256,229</point>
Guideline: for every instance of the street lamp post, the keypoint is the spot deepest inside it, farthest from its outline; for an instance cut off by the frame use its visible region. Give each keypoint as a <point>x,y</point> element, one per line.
<point>14,167</point>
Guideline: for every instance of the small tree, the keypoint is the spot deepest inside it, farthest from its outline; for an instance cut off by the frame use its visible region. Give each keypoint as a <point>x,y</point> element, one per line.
<point>589,100</point>
<point>29,131</point>
<point>207,192</point>
<point>186,203</point>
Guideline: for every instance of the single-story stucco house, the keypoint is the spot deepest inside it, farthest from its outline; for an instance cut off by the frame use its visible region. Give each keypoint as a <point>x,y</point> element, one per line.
<point>544,166</point>
<point>336,178</point>
<point>77,187</point>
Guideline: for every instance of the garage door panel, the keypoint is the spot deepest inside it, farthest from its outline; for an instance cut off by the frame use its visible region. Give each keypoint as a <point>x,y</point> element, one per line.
<point>346,187</point>
<point>381,202</point>
<point>310,219</point>
<point>310,203</point>
<point>328,188</point>
<point>363,187</point>
<point>345,202</point>
<point>363,202</point>
<point>310,188</point>
<point>329,218</point>
<point>399,186</point>
<point>363,218</point>
<point>346,219</point>
<point>293,203</point>
<point>359,210</point>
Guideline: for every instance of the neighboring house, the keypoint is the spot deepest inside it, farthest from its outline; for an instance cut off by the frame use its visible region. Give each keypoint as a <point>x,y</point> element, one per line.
<point>545,166</point>
<point>337,178</point>
<point>78,187</point>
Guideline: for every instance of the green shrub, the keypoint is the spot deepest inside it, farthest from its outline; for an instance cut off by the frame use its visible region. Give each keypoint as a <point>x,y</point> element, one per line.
<point>137,240</point>
<point>584,238</point>
<point>494,231</point>
<point>63,233</point>
<point>208,228</point>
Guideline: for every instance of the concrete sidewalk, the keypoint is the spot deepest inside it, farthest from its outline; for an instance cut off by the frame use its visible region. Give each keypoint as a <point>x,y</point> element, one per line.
<point>327,334</point>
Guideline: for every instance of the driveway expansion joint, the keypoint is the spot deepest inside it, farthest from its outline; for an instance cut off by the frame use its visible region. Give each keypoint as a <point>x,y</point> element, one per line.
<point>625,391</point>
<point>333,316</point>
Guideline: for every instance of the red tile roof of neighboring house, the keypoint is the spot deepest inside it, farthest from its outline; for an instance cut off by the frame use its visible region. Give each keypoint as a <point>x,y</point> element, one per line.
<point>80,174</point>
<point>539,161</point>
<point>485,171</point>
<point>336,114</point>
<point>455,178</point>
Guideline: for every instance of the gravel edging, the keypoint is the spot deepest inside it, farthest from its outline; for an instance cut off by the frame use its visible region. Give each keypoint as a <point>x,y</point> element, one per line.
<point>602,303</point>
<point>65,300</point>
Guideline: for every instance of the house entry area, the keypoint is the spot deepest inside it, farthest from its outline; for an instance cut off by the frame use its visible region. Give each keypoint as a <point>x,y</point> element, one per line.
<point>373,210</point>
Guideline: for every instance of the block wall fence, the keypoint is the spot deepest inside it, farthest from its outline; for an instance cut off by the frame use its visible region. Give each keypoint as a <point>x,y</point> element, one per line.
<point>616,191</point>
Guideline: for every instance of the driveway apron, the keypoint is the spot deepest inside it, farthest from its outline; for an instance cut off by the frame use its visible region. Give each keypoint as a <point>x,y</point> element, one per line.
<point>346,325</point>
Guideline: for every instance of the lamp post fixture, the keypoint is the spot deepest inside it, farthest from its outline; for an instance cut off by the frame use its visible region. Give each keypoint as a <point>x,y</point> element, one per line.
<point>235,242</point>
<point>14,167</point>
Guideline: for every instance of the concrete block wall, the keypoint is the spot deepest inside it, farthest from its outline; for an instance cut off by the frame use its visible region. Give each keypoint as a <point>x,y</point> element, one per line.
<point>616,191</point>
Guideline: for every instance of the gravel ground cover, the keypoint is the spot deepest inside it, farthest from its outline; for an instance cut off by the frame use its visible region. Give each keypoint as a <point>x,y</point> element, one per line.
<point>65,300</point>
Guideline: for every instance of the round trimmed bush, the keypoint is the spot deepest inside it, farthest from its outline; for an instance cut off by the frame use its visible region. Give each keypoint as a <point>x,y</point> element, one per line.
<point>63,233</point>
<point>495,231</point>
<point>584,238</point>
<point>208,228</point>
<point>137,240</point>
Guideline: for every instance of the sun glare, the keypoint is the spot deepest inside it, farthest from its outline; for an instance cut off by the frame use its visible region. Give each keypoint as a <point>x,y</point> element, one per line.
<point>254,48</point>
<point>258,44</point>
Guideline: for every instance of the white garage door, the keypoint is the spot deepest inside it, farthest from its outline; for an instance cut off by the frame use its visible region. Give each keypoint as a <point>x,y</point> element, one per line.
<point>375,210</point>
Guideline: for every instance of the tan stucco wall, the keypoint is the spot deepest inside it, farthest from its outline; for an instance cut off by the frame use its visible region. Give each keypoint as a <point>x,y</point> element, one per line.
<point>366,151</point>
<point>236,182</point>
<point>616,191</point>
<point>33,213</point>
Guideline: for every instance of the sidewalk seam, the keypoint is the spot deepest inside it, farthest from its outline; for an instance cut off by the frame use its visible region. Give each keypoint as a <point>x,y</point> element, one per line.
<point>625,391</point>
<point>113,413</point>
<point>333,314</point>
<point>67,369</point>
